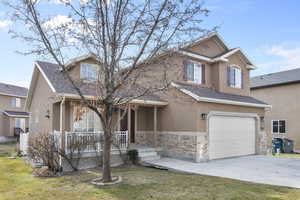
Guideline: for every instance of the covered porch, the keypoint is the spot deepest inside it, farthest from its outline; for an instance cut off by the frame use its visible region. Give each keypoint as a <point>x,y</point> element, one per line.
<point>138,127</point>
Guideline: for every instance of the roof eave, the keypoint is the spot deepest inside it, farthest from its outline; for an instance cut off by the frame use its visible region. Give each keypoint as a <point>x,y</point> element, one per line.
<point>12,95</point>
<point>21,116</point>
<point>274,85</point>
<point>220,101</point>
<point>134,101</point>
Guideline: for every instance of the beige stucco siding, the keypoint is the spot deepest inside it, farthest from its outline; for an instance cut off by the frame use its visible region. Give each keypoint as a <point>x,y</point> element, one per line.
<point>75,70</point>
<point>7,123</point>
<point>41,103</point>
<point>285,105</point>
<point>209,48</point>
<point>222,78</point>
<point>184,114</point>
<point>215,73</point>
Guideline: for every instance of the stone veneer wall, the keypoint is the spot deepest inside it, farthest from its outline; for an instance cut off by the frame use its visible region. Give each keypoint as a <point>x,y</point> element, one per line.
<point>188,145</point>
<point>181,145</point>
<point>263,142</point>
<point>144,138</point>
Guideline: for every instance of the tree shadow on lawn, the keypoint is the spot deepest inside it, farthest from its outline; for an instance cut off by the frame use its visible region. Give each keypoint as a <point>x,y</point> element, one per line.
<point>17,183</point>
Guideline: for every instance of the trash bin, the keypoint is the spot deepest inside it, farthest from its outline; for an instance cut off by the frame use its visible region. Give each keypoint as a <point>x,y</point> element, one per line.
<point>277,144</point>
<point>288,146</point>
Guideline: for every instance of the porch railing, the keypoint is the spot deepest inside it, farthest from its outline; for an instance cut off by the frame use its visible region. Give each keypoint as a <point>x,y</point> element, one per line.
<point>86,142</point>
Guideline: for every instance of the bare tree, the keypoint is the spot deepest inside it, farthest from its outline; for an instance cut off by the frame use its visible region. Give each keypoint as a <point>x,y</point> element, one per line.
<point>119,33</point>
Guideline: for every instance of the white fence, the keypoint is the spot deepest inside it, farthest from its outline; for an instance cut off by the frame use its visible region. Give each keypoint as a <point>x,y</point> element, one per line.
<point>82,141</point>
<point>24,143</point>
<point>93,141</point>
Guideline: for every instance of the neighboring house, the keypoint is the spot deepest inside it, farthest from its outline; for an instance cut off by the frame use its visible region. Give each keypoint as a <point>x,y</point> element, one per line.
<point>13,119</point>
<point>206,114</point>
<point>282,91</point>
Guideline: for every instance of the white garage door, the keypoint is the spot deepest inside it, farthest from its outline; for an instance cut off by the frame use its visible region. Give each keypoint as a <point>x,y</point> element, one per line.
<point>231,136</point>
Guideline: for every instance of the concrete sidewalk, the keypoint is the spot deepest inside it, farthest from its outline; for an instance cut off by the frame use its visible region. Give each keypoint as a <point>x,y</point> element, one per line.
<point>271,170</point>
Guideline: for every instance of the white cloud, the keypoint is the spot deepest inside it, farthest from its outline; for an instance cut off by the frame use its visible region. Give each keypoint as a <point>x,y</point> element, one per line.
<point>61,1</point>
<point>280,57</point>
<point>58,21</point>
<point>4,23</point>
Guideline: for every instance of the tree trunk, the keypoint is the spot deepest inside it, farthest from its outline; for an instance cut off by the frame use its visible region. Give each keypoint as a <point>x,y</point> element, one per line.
<point>106,170</point>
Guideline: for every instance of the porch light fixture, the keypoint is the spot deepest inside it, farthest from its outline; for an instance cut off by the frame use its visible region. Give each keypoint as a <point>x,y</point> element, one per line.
<point>203,116</point>
<point>262,123</point>
<point>47,114</point>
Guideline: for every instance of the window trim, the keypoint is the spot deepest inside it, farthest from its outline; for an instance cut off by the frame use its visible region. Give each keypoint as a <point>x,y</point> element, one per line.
<point>16,102</point>
<point>95,120</point>
<point>91,64</point>
<point>278,133</point>
<point>200,77</point>
<point>241,75</point>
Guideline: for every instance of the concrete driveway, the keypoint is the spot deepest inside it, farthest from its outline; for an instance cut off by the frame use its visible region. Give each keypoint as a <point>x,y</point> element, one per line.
<point>258,169</point>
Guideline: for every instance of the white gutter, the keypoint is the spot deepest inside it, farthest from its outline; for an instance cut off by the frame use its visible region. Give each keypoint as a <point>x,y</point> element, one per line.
<point>220,101</point>
<point>204,58</point>
<point>20,116</point>
<point>146,102</point>
<point>135,101</point>
<point>12,95</point>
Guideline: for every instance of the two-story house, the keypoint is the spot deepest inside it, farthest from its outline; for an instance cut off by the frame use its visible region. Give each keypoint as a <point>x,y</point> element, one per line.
<point>13,119</point>
<point>207,113</point>
<point>281,90</point>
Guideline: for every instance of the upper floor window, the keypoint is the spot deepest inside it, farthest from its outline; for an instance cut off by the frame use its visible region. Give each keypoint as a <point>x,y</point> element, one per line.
<point>88,72</point>
<point>16,102</point>
<point>194,72</point>
<point>235,78</point>
<point>278,126</point>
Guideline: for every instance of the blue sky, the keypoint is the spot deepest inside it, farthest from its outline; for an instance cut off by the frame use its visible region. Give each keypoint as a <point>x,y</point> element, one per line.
<point>267,30</point>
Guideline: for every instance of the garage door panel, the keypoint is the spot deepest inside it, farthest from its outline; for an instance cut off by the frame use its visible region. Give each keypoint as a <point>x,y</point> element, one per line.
<point>231,136</point>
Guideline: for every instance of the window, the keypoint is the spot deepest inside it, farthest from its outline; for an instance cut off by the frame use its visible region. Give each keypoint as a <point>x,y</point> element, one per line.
<point>88,72</point>
<point>88,122</point>
<point>278,126</point>
<point>16,102</point>
<point>235,77</point>
<point>20,123</point>
<point>194,72</point>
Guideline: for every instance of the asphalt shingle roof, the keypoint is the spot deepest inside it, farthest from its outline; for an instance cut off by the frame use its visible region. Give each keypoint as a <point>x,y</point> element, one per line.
<point>212,93</point>
<point>278,78</point>
<point>62,85</point>
<point>13,90</point>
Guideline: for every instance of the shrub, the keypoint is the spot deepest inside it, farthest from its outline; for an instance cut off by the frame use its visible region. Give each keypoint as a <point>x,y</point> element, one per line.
<point>133,156</point>
<point>41,148</point>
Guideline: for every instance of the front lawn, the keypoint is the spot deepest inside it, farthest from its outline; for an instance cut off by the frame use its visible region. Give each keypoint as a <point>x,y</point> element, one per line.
<point>17,183</point>
<point>7,149</point>
<point>290,155</point>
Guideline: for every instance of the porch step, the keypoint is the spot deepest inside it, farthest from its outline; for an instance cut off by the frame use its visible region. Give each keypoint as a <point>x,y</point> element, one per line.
<point>147,154</point>
<point>149,158</point>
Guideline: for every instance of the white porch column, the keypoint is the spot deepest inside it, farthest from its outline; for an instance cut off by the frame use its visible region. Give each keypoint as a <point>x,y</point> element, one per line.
<point>62,122</point>
<point>155,126</point>
<point>119,119</point>
<point>129,124</point>
<point>136,121</point>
